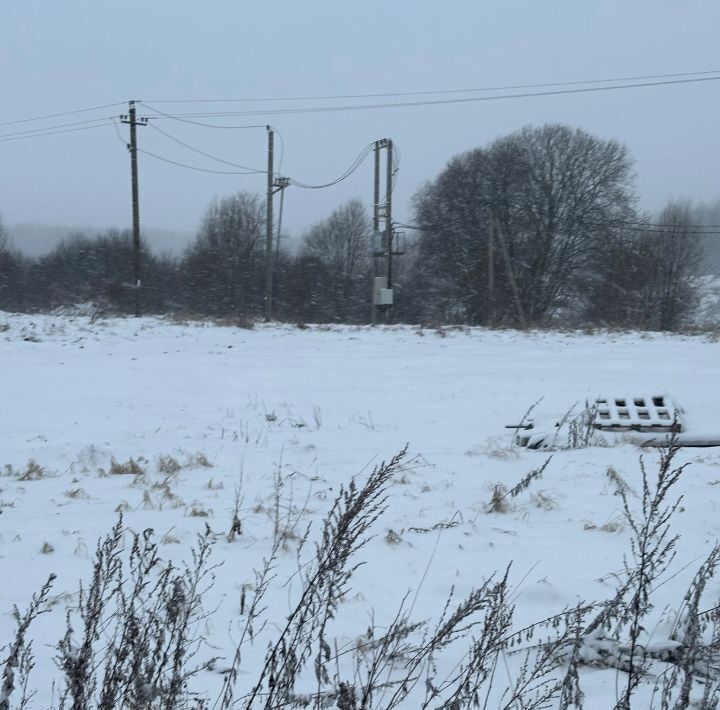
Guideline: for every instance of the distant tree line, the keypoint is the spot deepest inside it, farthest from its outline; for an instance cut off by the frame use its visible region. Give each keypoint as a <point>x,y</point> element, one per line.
<point>541,227</point>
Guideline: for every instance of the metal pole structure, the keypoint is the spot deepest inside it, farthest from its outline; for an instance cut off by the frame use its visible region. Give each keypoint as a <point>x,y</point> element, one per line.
<point>375,225</point>
<point>388,212</point>
<point>269,229</point>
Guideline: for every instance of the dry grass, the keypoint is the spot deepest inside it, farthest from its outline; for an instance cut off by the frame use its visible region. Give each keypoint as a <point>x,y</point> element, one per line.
<point>196,460</point>
<point>392,537</point>
<point>498,501</point>
<point>76,494</point>
<point>168,465</point>
<point>169,539</point>
<point>622,487</point>
<point>198,510</point>
<point>110,658</point>
<point>495,449</point>
<point>131,467</point>
<point>544,500</point>
<point>244,322</point>
<point>33,471</point>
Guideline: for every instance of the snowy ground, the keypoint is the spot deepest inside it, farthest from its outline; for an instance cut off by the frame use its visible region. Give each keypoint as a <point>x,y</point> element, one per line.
<point>320,406</point>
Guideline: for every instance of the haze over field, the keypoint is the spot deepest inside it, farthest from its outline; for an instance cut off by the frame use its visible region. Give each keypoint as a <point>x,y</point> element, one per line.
<point>68,56</point>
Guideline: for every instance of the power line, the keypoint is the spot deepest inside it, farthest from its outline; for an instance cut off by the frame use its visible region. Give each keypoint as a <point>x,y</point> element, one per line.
<point>396,164</point>
<point>45,129</point>
<point>511,87</point>
<point>436,102</point>
<point>118,134</point>
<point>282,147</point>
<point>203,153</point>
<point>646,228</point>
<point>177,163</point>
<point>686,230</point>
<point>436,92</point>
<point>63,113</point>
<point>108,122</point>
<point>353,167</point>
<point>249,171</point>
<point>643,223</point>
<point>162,114</point>
<point>195,167</point>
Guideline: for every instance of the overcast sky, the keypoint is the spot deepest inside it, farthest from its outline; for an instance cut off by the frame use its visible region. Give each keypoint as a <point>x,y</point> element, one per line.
<point>60,56</point>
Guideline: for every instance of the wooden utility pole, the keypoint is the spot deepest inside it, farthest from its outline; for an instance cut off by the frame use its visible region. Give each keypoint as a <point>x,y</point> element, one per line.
<point>375,225</point>
<point>269,228</point>
<point>132,147</point>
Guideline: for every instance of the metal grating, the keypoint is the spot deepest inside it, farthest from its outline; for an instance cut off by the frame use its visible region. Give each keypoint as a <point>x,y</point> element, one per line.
<point>645,413</point>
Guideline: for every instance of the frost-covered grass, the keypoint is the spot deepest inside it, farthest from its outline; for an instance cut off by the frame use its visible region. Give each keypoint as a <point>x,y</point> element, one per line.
<point>185,426</point>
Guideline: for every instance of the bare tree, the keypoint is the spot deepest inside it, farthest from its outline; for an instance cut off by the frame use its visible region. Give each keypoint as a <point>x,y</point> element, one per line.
<point>679,256</point>
<point>99,269</point>
<point>223,266</point>
<point>453,214</point>
<point>341,243</point>
<point>708,213</point>
<point>646,275</point>
<point>507,231</point>
<point>12,269</point>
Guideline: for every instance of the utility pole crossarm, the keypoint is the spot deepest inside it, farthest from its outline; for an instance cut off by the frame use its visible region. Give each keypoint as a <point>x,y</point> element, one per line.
<point>280,183</point>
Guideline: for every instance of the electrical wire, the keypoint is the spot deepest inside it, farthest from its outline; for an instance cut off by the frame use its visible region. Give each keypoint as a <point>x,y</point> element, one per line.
<point>203,153</point>
<point>118,134</point>
<point>45,129</point>
<point>396,166</point>
<point>512,87</point>
<point>282,147</point>
<point>63,113</point>
<point>194,167</point>
<point>689,76</point>
<point>353,167</point>
<point>52,133</point>
<point>689,230</point>
<point>162,114</point>
<point>279,225</point>
<point>436,102</point>
<point>251,171</point>
<point>643,223</point>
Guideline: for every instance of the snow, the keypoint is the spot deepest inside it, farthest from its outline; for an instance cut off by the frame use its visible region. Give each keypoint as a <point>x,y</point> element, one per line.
<point>320,405</point>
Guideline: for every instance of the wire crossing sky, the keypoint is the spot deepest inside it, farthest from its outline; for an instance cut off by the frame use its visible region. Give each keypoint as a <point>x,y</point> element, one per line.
<point>337,76</point>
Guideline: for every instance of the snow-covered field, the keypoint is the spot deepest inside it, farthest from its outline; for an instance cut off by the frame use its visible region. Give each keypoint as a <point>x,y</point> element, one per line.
<point>313,408</point>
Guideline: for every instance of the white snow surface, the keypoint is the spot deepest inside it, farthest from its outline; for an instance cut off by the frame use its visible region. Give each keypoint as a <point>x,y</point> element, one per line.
<point>323,405</point>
